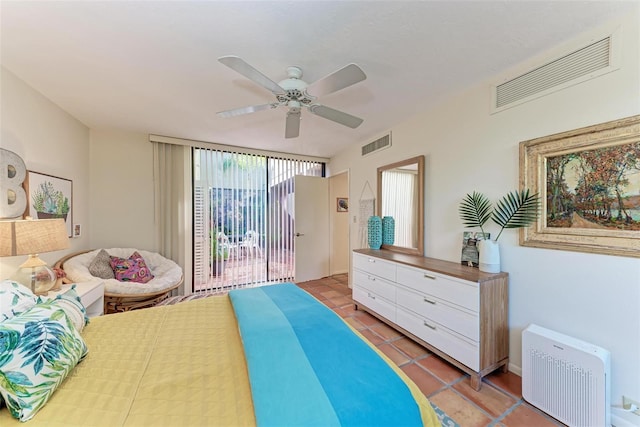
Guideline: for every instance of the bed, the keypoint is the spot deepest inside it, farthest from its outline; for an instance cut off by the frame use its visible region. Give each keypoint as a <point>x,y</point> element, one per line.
<point>268,356</point>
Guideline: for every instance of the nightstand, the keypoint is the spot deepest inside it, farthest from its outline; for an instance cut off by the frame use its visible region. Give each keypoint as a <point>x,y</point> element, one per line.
<point>91,294</point>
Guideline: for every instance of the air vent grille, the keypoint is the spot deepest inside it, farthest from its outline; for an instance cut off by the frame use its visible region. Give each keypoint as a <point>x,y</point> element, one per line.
<point>378,144</point>
<point>580,63</point>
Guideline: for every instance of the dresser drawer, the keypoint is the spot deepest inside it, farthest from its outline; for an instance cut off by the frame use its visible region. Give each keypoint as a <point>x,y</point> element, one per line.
<point>465,351</point>
<point>376,266</point>
<point>459,320</point>
<point>375,302</point>
<point>459,292</point>
<point>375,284</point>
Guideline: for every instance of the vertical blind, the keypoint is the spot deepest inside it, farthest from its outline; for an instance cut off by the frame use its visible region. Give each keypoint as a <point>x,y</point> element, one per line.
<point>243,218</point>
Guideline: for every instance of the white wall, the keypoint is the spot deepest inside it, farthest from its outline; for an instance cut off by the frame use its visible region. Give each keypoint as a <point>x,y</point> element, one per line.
<point>122,185</point>
<point>49,141</point>
<point>593,297</point>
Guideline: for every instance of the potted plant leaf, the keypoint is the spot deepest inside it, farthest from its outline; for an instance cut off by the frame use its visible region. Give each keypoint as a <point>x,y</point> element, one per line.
<point>219,256</point>
<point>516,209</point>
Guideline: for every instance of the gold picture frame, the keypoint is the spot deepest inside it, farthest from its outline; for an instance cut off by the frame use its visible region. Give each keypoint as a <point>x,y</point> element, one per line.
<point>589,185</point>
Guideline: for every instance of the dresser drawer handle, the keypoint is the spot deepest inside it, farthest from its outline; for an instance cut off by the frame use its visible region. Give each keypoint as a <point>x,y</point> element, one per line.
<point>429,301</point>
<point>428,325</point>
<point>371,260</point>
<point>373,279</point>
<point>371,296</point>
<point>428,276</point>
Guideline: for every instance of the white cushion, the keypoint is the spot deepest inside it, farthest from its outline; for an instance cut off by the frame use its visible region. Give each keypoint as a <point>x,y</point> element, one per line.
<point>166,272</point>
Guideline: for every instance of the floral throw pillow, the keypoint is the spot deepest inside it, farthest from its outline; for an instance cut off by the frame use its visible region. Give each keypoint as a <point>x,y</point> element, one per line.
<point>133,269</point>
<point>15,299</point>
<point>38,349</point>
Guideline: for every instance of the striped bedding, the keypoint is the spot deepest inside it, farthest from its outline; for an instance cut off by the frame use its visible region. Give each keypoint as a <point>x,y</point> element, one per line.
<point>307,367</point>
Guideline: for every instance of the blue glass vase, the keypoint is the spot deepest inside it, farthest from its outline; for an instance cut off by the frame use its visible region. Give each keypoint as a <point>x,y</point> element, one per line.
<point>375,232</point>
<point>388,230</point>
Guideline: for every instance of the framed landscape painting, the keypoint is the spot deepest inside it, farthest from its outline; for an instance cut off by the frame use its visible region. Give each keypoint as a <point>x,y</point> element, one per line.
<point>589,183</point>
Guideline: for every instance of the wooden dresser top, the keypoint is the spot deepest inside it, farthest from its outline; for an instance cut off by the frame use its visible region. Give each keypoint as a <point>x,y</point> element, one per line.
<point>449,268</point>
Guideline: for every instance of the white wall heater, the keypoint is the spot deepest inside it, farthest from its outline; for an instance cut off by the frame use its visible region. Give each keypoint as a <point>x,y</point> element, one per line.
<point>567,378</point>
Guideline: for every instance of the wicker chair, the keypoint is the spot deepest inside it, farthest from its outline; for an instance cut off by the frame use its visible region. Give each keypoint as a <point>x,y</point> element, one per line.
<point>125,296</point>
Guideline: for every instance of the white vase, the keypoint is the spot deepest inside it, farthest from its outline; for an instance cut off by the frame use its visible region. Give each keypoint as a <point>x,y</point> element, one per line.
<point>489,256</point>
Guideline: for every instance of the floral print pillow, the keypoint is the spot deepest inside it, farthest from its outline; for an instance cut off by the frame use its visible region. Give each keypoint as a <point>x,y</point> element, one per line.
<point>38,349</point>
<point>15,299</point>
<point>133,269</point>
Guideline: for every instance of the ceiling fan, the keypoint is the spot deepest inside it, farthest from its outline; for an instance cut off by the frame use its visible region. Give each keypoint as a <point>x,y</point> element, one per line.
<point>295,93</point>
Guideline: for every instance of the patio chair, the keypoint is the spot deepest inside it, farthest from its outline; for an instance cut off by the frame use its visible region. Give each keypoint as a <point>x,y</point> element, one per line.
<point>225,243</point>
<point>251,243</point>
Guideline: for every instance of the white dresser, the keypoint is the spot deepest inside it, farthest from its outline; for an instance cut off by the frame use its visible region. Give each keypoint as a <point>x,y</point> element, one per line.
<point>456,311</point>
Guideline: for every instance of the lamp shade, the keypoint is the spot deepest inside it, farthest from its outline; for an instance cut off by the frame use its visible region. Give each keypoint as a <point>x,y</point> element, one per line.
<point>30,236</point>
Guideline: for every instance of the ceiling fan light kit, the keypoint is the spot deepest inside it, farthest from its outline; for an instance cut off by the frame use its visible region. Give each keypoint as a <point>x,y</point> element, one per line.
<point>294,93</point>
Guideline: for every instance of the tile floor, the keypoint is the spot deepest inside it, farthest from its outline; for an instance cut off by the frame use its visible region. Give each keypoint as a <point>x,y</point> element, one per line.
<point>498,403</point>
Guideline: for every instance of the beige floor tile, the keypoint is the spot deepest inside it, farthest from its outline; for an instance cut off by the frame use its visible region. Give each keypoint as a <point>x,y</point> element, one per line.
<point>465,413</point>
<point>426,382</point>
<point>441,369</point>
<point>385,331</point>
<point>355,323</point>
<point>525,416</point>
<point>393,354</point>
<point>374,339</point>
<point>509,381</point>
<point>489,398</point>
<point>410,348</point>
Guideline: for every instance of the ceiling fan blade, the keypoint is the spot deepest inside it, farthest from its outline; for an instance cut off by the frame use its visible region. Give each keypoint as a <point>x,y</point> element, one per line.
<point>247,110</point>
<point>336,116</point>
<point>292,129</point>
<point>239,65</point>
<point>344,77</point>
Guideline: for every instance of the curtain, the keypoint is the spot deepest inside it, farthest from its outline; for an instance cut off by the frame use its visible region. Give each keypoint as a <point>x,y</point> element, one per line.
<point>172,206</point>
<point>401,205</point>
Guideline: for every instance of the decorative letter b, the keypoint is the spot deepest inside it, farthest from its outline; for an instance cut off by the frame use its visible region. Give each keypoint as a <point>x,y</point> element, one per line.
<point>13,199</point>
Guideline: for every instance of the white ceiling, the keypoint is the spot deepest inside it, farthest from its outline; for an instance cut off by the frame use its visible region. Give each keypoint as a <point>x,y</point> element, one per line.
<point>151,66</point>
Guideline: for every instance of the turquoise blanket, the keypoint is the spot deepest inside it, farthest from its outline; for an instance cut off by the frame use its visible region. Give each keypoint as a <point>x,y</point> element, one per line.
<point>308,368</point>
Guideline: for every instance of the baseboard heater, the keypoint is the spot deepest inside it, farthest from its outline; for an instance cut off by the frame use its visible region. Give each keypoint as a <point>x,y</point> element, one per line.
<point>567,378</point>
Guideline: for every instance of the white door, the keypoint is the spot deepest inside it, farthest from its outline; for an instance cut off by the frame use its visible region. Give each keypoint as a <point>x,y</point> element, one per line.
<point>311,228</point>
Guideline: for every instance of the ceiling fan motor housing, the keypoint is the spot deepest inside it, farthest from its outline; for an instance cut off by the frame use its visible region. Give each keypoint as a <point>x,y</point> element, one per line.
<point>294,88</point>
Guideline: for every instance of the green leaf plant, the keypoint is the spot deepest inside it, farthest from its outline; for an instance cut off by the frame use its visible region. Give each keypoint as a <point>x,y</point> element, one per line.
<point>517,209</point>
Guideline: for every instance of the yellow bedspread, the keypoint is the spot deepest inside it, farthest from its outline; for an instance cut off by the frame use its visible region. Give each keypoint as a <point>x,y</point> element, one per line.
<point>179,365</point>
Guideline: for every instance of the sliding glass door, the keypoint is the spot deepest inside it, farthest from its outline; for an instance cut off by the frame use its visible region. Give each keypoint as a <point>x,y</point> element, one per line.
<point>243,218</point>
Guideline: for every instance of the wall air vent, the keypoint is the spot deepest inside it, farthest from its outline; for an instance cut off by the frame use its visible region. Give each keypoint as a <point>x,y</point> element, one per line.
<point>582,64</point>
<point>378,144</point>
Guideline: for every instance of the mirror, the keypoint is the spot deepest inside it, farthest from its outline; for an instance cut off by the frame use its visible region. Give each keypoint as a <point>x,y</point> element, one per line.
<point>400,195</point>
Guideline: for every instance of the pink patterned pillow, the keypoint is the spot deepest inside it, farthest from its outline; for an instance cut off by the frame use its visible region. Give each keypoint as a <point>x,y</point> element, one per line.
<point>133,269</point>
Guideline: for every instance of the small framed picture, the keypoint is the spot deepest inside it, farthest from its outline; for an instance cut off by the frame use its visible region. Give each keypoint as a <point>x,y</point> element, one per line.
<point>342,204</point>
<point>470,253</point>
<point>77,230</point>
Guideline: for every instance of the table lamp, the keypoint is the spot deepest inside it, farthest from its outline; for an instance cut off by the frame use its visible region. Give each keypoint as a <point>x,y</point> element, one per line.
<point>32,237</point>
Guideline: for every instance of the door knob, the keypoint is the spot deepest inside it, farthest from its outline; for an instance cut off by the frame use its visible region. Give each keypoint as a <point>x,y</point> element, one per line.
<point>299,234</point>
